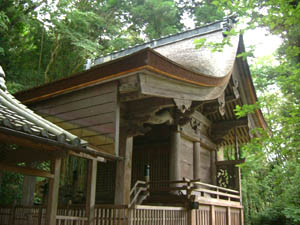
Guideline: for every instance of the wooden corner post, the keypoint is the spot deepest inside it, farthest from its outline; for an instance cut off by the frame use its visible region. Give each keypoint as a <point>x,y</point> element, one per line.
<point>91,191</point>
<point>123,173</point>
<point>53,192</point>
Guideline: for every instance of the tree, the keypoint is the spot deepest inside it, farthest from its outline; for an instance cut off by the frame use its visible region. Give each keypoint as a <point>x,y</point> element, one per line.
<point>155,18</point>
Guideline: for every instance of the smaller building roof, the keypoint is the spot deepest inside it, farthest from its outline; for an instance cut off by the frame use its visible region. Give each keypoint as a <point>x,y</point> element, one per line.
<point>17,117</point>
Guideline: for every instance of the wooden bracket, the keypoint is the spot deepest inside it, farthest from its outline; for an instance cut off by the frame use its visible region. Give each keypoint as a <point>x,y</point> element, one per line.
<point>182,104</point>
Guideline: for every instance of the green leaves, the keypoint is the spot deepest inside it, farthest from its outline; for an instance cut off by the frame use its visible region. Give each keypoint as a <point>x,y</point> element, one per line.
<point>242,111</point>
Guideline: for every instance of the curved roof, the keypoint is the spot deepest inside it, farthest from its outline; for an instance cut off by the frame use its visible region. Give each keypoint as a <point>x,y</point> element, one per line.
<point>172,58</point>
<point>180,48</point>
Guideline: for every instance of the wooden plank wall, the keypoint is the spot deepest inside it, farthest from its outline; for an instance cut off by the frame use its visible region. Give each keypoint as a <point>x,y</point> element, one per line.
<point>186,156</point>
<point>205,165</point>
<point>90,113</point>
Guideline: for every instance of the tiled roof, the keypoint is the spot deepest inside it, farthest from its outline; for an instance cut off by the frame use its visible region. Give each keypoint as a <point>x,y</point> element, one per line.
<point>16,116</point>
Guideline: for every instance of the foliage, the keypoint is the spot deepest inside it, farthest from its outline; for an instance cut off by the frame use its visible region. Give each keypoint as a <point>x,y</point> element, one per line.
<point>145,17</point>
<point>11,188</point>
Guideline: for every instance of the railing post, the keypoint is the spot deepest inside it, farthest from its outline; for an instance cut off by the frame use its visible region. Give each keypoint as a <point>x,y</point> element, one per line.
<point>228,216</point>
<point>12,216</point>
<point>40,216</point>
<point>242,216</point>
<point>191,217</point>
<point>129,215</point>
<point>212,215</point>
<point>188,188</point>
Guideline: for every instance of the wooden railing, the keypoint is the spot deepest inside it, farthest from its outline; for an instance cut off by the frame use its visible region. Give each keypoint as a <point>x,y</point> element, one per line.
<point>196,189</point>
<point>195,186</point>
<point>218,205</point>
<point>140,187</point>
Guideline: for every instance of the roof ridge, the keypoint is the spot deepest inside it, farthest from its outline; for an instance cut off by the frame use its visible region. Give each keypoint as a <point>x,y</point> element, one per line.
<point>202,30</point>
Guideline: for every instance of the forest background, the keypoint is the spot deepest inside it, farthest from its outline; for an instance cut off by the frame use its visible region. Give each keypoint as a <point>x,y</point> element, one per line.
<point>41,41</point>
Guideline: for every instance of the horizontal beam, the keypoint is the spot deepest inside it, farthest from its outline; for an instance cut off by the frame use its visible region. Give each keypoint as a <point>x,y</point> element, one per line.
<point>188,133</point>
<point>148,105</point>
<point>30,155</point>
<point>87,156</point>
<point>230,162</point>
<point>36,142</point>
<point>26,171</point>
<point>229,124</point>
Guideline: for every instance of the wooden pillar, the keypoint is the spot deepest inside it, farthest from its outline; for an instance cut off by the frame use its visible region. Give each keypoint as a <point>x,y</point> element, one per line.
<point>196,161</point>
<point>1,174</point>
<point>53,193</point>
<point>213,167</point>
<point>123,173</point>
<point>175,161</point>
<point>91,191</point>
<point>28,190</point>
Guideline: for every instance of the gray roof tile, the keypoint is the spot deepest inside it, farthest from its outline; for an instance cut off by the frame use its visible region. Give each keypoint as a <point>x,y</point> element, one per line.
<point>16,116</point>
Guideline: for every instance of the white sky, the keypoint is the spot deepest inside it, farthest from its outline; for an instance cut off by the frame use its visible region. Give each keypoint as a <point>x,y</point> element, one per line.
<point>265,45</point>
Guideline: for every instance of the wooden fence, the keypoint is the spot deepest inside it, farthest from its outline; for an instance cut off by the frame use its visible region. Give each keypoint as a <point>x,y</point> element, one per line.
<point>158,215</point>
<point>122,215</point>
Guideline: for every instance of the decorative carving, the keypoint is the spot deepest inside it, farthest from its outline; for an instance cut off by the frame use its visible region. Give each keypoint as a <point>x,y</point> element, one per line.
<point>182,104</point>
<point>228,173</point>
<point>182,118</point>
<point>235,88</point>
<point>225,176</point>
<point>221,101</point>
<point>195,124</point>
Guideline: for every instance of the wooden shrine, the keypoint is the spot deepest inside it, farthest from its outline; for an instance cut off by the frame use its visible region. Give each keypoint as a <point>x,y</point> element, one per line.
<point>161,114</point>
